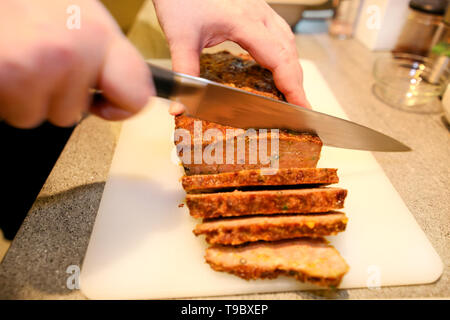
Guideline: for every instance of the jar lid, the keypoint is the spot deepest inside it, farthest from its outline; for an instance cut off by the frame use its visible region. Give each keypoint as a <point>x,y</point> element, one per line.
<point>429,6</point>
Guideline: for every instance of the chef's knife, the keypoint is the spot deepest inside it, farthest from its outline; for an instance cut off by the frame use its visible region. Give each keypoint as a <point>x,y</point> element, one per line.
<point>211,101</point>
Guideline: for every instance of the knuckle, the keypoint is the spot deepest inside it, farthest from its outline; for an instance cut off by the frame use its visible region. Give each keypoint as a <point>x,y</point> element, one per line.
<point>14,71</point>
<point>55,53</point>
<point>62,54</point>
<point>291,38</point>
<point>99,30</point>
<point>285,55</point>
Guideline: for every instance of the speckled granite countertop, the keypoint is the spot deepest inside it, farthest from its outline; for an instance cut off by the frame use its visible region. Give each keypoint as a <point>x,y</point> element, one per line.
<point>56,232</point>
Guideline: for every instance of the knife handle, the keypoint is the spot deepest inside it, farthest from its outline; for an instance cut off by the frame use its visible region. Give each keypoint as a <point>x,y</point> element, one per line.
<point>164,81</point>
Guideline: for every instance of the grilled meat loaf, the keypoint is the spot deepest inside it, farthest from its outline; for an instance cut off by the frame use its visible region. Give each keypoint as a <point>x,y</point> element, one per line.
<point>296,150</point>
<point>306,259</point>
<point>271,249</point>
<point>254,178</point>
<point>234,231</point>
<point>241,203</point>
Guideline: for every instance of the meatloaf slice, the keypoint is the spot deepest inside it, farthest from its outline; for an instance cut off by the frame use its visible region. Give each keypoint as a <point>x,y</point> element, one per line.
<point>241,203</point>
<point>236,231</point>
<point>295,150</point>
<point>254,178</point>
<point>306,259</point>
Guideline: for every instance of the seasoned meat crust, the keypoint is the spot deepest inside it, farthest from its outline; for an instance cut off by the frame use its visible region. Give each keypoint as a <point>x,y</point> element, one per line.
<point>306,259</point>
<point>252,178</point>
<point>241,203</point>
<point>234,231</point>
<point>239,71</point>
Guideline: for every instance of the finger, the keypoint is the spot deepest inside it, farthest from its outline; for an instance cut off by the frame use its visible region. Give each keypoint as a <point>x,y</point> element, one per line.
<point>276,55</point>
<point>283,31</point>
<point>125,78</point>
<point>186,57</point>
<point>104,109</point>
<point>70,99</point>
<point>283,24</point>
<point>23,113</point>
<point>176,108</point>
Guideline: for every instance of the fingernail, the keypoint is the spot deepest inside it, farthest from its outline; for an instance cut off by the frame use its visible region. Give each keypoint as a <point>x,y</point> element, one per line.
<point>176,108</point>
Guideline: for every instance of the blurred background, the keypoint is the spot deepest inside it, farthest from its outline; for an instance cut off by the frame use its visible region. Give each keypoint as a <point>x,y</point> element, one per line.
<point>412,74</point>
<point>412,77</point>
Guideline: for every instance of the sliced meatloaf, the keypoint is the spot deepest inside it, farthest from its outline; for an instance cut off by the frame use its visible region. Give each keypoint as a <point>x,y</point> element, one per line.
<point>294,150</point>
<point>306,259</point>
<point>234,231</point>
<point>242,203</point>
<point>255,177</point>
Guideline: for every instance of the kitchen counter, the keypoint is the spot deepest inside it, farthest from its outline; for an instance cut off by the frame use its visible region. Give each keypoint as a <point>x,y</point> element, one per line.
<point>56,231</point>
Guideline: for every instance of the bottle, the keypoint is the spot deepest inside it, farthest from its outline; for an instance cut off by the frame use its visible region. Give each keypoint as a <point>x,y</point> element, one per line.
<point>344,20</point>
<point>439,53</point>
<point>442,34</point>
<point>423,21</point>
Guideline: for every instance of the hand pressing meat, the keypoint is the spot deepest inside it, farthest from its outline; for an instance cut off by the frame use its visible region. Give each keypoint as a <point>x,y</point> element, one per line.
<point>198,24</point>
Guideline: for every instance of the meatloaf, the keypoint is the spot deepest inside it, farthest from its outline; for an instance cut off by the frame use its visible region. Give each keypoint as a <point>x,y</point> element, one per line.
<point>255,178</point>
<point>296,150</point>
<point>241,203</point>
<point>310,260</point>
<point>234,231</point>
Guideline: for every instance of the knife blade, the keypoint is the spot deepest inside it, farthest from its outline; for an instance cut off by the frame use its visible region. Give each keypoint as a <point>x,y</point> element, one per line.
<point>215,102</point>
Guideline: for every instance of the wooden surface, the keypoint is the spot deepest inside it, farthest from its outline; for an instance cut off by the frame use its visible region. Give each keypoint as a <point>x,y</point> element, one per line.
<point>56,231</point>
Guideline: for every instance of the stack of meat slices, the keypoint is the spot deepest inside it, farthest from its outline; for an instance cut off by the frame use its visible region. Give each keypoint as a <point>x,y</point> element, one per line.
<point>264,225</point>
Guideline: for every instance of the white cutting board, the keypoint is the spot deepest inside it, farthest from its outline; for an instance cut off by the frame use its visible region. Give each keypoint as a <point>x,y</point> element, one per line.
<point>142,245</point>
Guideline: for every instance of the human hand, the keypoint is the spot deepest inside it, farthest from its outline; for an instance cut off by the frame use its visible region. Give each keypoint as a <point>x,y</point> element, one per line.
<point>191,25</point>
<point>47,68</point>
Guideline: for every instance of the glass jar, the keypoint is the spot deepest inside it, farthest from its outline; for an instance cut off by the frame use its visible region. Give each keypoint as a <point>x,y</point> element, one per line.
<point>420,27</point>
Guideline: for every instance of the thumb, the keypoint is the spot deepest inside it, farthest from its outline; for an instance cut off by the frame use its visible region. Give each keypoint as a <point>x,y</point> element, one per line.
<point>125,78</point>
<point>185,58</point>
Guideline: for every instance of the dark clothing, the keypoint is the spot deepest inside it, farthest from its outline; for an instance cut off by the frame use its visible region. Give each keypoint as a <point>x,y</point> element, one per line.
<point>27,158</point>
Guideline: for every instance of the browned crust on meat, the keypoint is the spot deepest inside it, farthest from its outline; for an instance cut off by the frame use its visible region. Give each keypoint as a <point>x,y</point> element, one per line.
<point>239,71</point>
<point>255,177</point>
<point>306,259</point>
<point>241,203</point>
<point>236,231</point>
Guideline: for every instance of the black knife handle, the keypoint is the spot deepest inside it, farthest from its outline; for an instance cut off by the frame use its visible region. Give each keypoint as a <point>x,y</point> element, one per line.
<point>164,81</point>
